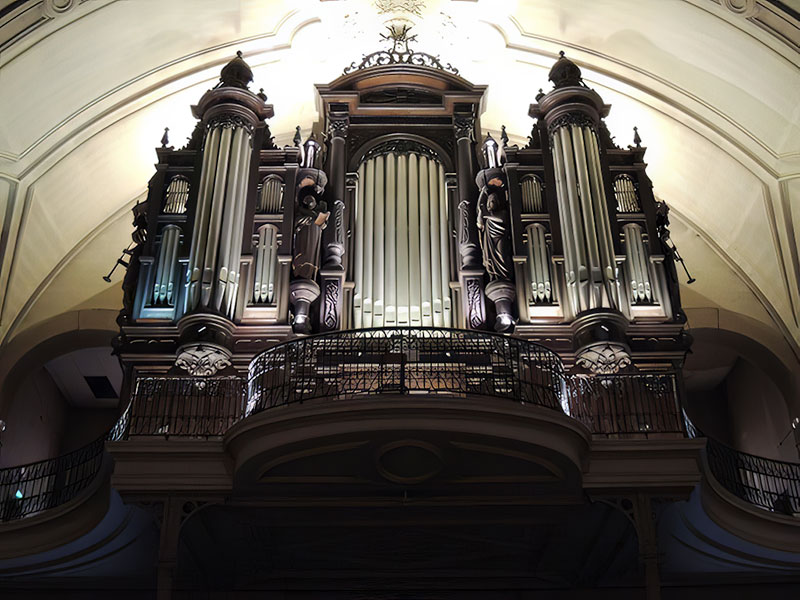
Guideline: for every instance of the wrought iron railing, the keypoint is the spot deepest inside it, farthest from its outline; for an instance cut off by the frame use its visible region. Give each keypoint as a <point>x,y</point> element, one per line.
<point>629,405</point>
<point>29,489</point>
<point>433,362</point>
<point>770,484</point>
<point>181,406</point>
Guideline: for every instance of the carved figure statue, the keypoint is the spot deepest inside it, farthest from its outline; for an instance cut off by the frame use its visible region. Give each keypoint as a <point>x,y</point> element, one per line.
<point>495,227</point>
<point>310,219</point>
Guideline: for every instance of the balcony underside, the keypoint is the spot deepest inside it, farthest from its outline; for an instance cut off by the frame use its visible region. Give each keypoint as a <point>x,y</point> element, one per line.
<point>374,449</point>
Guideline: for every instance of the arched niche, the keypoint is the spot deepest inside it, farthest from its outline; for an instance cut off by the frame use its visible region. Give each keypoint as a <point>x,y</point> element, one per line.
<point>42,421</point>
<point>740,393</point>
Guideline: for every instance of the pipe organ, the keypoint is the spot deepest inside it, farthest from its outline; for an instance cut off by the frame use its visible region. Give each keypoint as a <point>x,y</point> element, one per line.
<point>404,213</point>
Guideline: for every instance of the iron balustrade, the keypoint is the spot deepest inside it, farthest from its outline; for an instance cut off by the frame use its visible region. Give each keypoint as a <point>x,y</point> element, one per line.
<point>408,361</point>
<point>626,405</point>
<point>770,484</point>
<point>29,489</point>
<point>181,406</point>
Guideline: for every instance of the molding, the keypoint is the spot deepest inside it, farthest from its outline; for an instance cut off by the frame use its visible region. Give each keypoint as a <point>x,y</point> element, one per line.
<point>661,466</point>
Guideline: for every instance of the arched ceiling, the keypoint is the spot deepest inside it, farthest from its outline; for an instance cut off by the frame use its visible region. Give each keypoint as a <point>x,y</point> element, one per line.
<point>86,88</point>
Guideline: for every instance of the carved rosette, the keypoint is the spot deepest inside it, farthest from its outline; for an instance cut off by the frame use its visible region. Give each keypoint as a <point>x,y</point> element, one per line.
<point>604,358</point>
<point>203,359</point>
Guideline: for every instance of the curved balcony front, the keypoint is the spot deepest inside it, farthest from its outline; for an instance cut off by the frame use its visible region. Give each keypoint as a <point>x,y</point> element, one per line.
<point>53,501</point>
<point>755,497</point>
<point>406,361</point>
<point>377,407</point>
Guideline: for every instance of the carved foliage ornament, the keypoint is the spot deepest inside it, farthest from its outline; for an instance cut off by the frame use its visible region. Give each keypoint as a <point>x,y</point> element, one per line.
<point>605,358</point>
<point>474,294</point>
<point>202,359</point>
<point>338,126</point>
<point>331,300</point>
<point>464,127</point>
<point>575,118</point>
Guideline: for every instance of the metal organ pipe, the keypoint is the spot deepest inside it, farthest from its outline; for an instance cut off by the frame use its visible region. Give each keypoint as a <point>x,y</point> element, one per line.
<point>390,239</point>
<point>425,244</point>
<point>637,265</point>
<point>379,228</point>
<point>403,282</point>
<point>539,263</point>
<point>358,297</point>
<point>215,255</point>
<point>369,230</point>
<point>177,194</point>
<point>589,254</point>
<point>164,281</point>
<point>266,264</point>
<point>444,252</point>
<point>414,265</point>
<point>270,201</point>
<point>607,253</point>
<point>402,250</point>
<point>532,195</point>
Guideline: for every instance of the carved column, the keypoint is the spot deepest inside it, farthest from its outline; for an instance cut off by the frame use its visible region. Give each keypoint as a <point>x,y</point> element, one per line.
<point>470,270</point>
<point>333,272</point>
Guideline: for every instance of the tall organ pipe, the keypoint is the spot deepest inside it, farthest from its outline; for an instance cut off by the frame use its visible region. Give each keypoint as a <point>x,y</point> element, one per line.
<point>390,240</point>
<point>213,274</point>
<point>588,248</point>
<point>165,269</point>
<point>379,227</point>
<point>358,297</point>
<point>266,262</point>
<point>402,250</point>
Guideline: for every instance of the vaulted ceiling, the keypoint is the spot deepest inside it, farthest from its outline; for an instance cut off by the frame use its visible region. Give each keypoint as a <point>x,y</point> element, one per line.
<point>87,87</point>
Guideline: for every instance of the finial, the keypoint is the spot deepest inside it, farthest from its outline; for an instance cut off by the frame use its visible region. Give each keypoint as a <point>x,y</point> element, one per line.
<point>565,73</point>
<point>503,135</point>
<point>636,139</point>
<point>236,73</point>
<point>165,138</point>
<point>298,138</point>
<point>262,95</point>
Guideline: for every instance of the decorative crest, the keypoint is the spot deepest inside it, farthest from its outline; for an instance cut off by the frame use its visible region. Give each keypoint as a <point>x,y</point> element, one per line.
<point>399,54</point>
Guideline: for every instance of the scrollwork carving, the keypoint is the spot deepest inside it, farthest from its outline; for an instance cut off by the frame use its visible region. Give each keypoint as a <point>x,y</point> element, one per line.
<point>605,358</point>
<point>474,302</point>
<point>203,359</point>
<point>331,299</point>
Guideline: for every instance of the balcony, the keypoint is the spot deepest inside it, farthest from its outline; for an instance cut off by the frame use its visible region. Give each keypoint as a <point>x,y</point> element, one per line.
<point>439,397</point>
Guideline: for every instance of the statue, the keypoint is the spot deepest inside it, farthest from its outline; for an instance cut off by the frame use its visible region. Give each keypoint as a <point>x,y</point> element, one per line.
<point>495,227</point>
<point>310,219</point>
